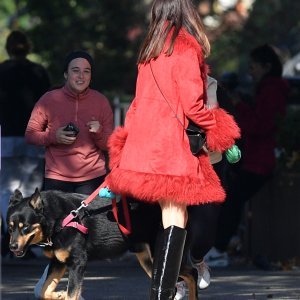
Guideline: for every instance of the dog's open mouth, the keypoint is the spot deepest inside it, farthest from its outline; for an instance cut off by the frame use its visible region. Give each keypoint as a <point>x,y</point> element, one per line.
<point>19,253</point>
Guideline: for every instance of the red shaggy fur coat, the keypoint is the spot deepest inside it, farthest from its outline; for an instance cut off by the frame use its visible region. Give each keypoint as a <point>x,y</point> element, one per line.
<point>150,158</point>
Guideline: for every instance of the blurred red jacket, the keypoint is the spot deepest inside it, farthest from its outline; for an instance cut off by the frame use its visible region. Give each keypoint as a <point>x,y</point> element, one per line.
<point>259,125</point>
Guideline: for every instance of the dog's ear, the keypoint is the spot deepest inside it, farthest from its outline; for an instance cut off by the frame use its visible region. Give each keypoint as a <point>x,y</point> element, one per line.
<point>15,198</point>
<point>36,200</point>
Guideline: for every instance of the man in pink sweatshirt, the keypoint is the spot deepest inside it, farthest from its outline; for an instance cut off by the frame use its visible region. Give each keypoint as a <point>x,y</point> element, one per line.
<point>74,155</point>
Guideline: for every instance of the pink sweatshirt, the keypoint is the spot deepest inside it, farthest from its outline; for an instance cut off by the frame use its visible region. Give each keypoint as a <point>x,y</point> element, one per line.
<point>84,159</point>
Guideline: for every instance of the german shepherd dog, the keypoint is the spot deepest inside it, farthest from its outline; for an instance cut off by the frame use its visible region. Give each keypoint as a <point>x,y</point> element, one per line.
<point>38,220</point>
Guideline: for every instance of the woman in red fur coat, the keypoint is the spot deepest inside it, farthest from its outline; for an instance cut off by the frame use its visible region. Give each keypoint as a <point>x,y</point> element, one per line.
<point>150,157</point>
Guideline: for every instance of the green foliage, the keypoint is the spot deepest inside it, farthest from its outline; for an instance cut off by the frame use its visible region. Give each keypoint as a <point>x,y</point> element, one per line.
<point>224,56</point>
<point>101,27</point>
<point>274,21</point>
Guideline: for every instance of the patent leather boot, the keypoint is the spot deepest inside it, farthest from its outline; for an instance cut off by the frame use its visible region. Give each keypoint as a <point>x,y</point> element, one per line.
<point>167,261</point>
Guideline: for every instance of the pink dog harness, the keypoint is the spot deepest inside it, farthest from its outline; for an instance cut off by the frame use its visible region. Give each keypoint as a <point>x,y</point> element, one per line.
<point>68,220</point>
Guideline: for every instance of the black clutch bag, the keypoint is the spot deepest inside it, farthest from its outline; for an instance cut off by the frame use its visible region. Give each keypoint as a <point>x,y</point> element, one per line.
<point>196,136</point>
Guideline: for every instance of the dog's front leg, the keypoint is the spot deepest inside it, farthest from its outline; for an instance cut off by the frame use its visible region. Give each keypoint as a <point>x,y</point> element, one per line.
<point>76,273</point>
<point>45,288</point>
<point>145,259</point>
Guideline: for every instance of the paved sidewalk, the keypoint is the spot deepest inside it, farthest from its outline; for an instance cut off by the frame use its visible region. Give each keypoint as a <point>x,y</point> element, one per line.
<point>123,279</point>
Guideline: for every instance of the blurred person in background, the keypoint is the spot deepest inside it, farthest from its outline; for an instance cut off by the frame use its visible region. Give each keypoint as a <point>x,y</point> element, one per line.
<point>22,82</point>
<point>259,122</point>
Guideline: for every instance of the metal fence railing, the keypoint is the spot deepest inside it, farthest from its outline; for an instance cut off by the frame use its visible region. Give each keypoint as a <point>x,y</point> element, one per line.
<point>120,109</point>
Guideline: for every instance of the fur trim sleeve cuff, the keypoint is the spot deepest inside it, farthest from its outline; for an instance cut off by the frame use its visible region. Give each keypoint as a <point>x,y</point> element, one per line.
<point>115,145</point>
<point>222,136</point>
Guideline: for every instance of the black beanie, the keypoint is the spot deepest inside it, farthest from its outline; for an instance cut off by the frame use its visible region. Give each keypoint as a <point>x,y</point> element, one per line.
<point>77,54</point>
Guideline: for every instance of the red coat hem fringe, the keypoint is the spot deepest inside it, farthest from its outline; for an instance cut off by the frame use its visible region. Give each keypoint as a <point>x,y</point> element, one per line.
<point>154,187</point>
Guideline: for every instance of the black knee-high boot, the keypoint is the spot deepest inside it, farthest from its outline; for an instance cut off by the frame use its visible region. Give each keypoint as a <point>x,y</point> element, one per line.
<point>167,261</point>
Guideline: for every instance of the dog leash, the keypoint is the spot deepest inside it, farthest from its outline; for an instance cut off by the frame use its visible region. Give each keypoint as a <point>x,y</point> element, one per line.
<point>68,220</point>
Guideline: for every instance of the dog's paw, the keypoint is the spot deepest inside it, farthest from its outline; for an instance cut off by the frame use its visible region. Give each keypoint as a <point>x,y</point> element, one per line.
<point>60,295</point>
<point>106,193</point>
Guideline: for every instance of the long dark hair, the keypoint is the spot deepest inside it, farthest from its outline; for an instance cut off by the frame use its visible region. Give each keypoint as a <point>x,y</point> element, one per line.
<point>167,15</point>
<point>265,54</point>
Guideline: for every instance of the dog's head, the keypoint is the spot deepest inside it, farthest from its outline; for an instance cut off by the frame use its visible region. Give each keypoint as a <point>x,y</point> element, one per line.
<point>24,219</point>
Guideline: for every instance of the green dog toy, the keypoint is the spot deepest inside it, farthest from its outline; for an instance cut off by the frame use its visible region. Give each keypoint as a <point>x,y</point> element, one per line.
<point>233,155</point>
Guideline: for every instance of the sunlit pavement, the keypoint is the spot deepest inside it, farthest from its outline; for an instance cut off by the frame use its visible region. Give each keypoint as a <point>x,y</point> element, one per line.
<point>124,279</point>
